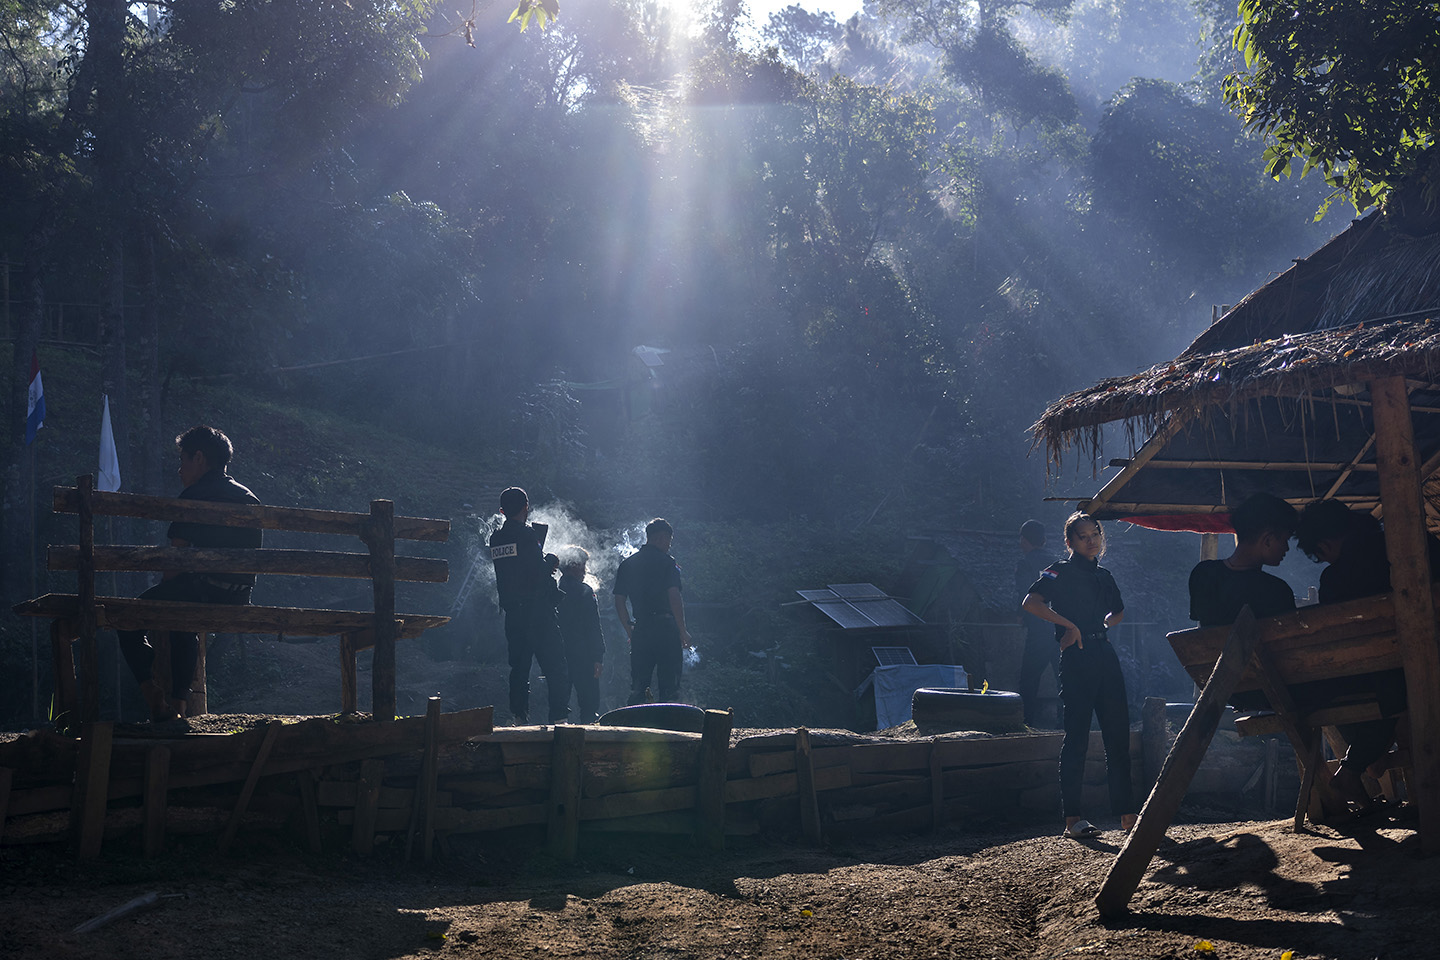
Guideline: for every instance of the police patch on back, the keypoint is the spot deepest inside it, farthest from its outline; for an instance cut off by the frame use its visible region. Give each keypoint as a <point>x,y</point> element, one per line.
<point>503,550</point>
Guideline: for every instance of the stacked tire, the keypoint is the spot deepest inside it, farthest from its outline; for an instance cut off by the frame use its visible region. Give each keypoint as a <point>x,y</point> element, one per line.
<point>947,709</point>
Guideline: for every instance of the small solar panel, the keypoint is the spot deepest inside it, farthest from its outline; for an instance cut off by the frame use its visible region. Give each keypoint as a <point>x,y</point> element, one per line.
<point>857,591</point>
<point>894,656</point>
<point>818,594</point>
<point>843,614</point>
<point>885,613</point>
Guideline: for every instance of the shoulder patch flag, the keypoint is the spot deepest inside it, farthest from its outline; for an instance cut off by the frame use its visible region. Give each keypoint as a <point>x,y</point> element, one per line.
<point>1047,572</point>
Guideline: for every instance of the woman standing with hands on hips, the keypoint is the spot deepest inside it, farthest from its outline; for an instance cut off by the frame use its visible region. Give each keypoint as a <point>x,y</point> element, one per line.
<point>1080,597</point>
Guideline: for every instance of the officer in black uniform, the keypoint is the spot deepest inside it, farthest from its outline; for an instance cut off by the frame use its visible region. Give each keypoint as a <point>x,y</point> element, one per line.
<point>1080,597</point>
<point>525,582</point>
<point>1041,651</point>
<point>655,622</point>
<point>204,456</point>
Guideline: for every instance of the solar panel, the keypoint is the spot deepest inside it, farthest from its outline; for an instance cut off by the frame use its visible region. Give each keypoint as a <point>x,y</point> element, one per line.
<point>885,613</point>
<point>894,656</point>
<point>857,591</point>
<point>818,594</point>
<point>844,614</point>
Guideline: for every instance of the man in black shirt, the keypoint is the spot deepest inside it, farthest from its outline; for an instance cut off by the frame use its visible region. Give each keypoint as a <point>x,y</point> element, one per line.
<point>204,458</point>
<point>525,582</point>
<point>1263,526</point>
<point>655,622</point>
<point>1041,650</point>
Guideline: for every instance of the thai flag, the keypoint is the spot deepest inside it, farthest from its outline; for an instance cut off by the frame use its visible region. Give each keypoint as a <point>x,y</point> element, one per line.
<point>35,401</point>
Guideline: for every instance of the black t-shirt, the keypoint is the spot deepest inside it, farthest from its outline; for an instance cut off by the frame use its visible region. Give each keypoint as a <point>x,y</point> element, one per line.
<point>1217,593</point>
<point>1082,592</point>
<point>218,486</point>
<point>646,577</point>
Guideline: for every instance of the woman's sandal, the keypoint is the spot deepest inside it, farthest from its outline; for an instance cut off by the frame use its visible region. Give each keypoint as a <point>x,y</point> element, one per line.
<point>1081,830</point>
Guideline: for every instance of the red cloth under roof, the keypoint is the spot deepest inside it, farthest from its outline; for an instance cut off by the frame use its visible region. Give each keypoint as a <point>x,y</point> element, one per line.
<point>1184,522</point>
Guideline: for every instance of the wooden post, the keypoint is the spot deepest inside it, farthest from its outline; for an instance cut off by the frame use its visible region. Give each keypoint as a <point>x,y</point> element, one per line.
<point>232,827</point>
<point>937,790</point>
<point>1305,742</point>
<point>309,808</point>
<point>805,787</point>
<point>1154,738</point>
<point>367,805</point>
<point>1209,546</point>
<point>380,538</point>
<point>157,786</point>
<point>710,799</point>
<point>7,776</point>
<point>88,660</point>
<point>92,787</point>
<point>566,778</point>
<point>1180,766</point>
<point>62,659</point>
<point>348,684</point>
<point>198,703</point>
<point>422,813</point>
<point>1405,544</point>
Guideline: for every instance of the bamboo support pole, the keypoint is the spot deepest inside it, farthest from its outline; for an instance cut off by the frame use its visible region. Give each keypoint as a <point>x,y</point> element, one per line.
<point>1180,766</point>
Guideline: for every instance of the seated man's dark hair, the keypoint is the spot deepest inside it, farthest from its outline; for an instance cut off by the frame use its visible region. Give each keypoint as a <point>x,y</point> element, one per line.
<point>658,525</point>
<point>513,500</point>
<point>1263,513</point>
<point>1331,520</point>
<point>209,441</point>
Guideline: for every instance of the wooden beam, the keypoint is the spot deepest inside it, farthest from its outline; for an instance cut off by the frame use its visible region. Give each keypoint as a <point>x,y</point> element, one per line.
<point>567,775</point>
<point>1147,452</point>
<point>1405,544</point>
<point>62,660</point>
<point>88,661</point>
<point>710,781</point>
<point>1179,769</point>
<point>422,817</point>
<point>157,791</point>
<point>1287,466</point>
<point>232,827</point>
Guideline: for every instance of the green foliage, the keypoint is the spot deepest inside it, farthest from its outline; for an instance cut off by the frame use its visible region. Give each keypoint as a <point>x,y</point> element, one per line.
<point>541,11</point>
<point>1345,87</point>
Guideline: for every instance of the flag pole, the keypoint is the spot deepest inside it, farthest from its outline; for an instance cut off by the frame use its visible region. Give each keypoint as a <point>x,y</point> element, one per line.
<point>34,591</point>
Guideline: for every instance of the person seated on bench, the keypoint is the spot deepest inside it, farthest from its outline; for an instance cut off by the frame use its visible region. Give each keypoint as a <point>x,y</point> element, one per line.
<point>1220,588</point>
<point>1352,545</point>
<point>205,454</point>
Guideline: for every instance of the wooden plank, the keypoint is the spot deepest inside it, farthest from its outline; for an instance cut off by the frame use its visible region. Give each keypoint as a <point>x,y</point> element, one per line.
<point>710,786</point>
<point>157,794</point>
<point>380,538</point>
<point>128,613</point>
<point>784,785</point>
<point>232,827</point>
<point>422,820</point>
<point>367,806</point>
<point>768,764</point>
<point>619,805</point>
<point>1405,545</point>
<point>269,561</point>
<point>92,787</point>
<point>805,787</point>
<point>458,820</point>
<point>937,792</point>
<point>88,661</point>
<point>297,519</point>
<point>1180,766</point>
<point>1260,724</point>
<point>349,675</point>
<point>567,772</point>
<point>309,808</point>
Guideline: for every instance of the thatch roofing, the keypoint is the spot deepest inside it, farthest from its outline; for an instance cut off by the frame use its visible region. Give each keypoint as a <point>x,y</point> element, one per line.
<point>1293,354</point>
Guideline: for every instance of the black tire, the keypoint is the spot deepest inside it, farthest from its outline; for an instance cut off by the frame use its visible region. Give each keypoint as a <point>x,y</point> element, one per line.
<point>657,716</point>
<point>942,709</point>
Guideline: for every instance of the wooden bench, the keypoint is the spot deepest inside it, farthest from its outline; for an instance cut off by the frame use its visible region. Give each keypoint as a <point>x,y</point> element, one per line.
<point>78,616</point>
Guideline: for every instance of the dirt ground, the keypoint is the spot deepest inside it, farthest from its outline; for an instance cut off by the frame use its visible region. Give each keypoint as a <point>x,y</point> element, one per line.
<point>1248,890</point>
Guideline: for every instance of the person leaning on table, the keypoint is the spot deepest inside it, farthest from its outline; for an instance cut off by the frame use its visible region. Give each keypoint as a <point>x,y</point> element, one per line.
<point>1080,597</point>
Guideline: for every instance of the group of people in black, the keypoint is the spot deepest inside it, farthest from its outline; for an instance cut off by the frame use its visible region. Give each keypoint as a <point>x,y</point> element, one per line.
<point>1074,602</point>
<point>557,623</point>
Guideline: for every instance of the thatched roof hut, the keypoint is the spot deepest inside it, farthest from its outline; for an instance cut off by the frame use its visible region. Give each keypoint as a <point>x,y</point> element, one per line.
<point>1273,396</point>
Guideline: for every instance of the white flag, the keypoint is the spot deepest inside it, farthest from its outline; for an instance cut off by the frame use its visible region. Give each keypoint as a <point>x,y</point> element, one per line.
<point>109,460</point>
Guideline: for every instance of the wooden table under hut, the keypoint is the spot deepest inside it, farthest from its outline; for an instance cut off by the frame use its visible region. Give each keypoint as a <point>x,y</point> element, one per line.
<point>1322,384</point>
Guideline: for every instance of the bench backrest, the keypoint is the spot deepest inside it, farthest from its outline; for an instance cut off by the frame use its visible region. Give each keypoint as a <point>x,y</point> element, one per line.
<point>1313,643</point>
